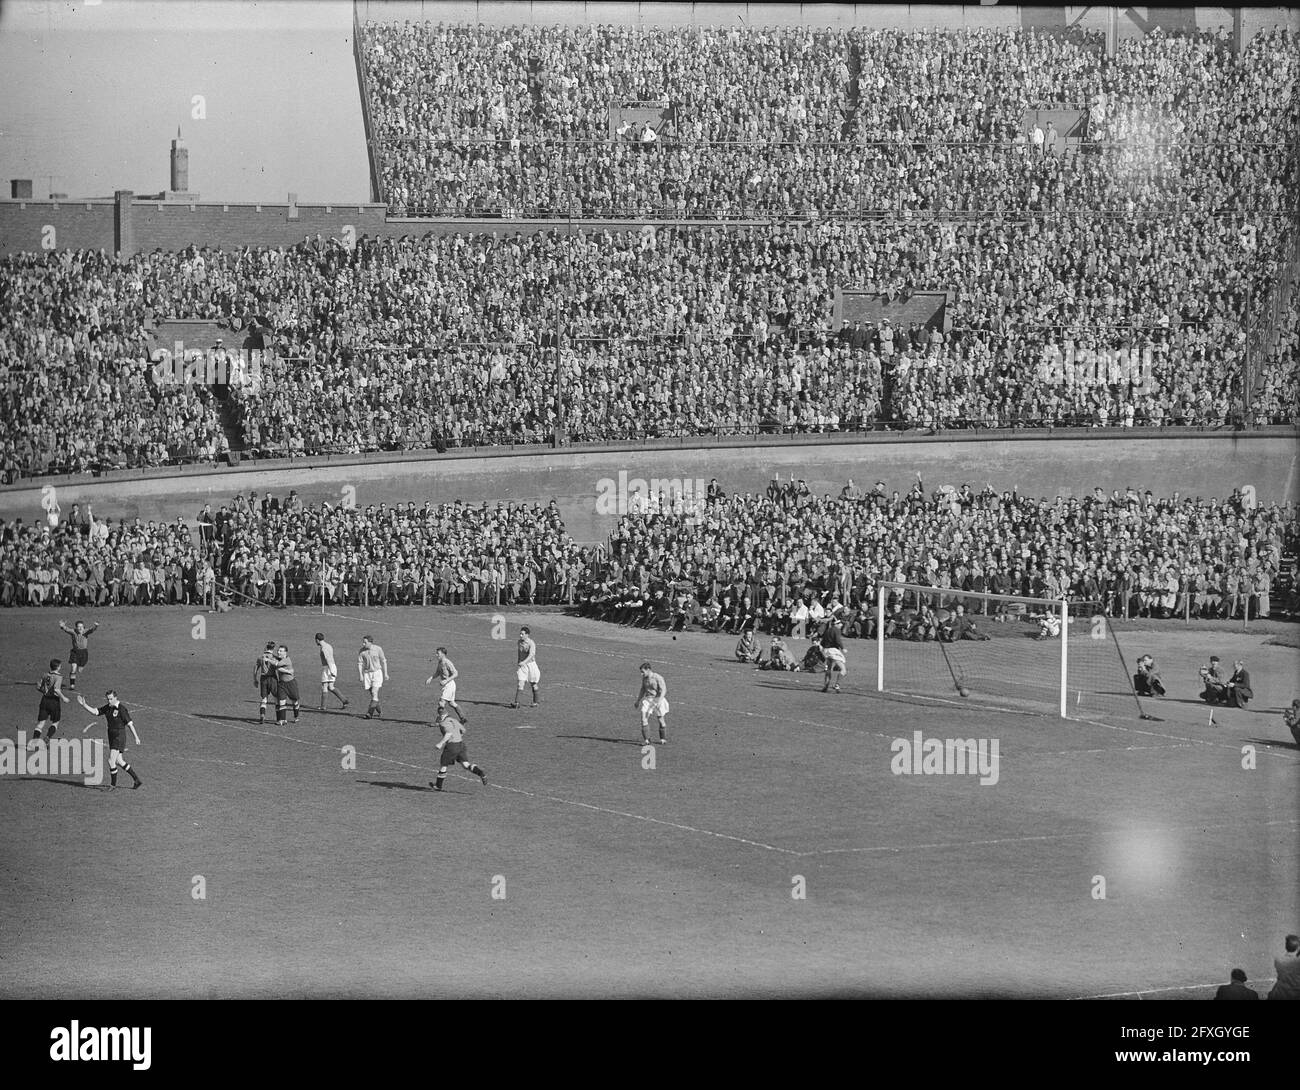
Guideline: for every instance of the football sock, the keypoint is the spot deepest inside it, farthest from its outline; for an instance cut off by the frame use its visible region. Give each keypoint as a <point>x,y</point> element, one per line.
<point>112,778</point>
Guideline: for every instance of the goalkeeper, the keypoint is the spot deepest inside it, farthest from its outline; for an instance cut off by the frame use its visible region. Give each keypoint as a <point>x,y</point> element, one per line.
<point>833,648</point>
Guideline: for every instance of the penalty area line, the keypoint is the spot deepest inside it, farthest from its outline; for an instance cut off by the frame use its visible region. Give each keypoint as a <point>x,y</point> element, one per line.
<point>497,786</point>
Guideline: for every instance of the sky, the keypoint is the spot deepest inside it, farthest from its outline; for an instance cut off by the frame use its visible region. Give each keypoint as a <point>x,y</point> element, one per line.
<point>91,95</point>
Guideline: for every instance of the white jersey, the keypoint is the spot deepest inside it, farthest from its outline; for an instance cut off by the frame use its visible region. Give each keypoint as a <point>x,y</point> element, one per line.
<point>329,671</point>
<point>527,673</point>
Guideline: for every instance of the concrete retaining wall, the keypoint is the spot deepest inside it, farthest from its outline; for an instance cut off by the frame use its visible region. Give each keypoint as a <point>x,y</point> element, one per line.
<point>1206,465</point>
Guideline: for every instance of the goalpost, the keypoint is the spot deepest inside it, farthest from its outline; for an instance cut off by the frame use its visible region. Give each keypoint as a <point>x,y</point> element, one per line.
<point>1010,651</point>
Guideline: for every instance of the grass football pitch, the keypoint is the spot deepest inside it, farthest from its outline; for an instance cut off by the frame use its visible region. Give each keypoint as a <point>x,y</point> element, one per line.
<point>578,871</point>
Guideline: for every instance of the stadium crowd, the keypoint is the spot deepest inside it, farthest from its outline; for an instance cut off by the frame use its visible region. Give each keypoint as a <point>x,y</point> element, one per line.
<point>272,550</point>
<point>788,561</point>
<point>483,338</point>
<point>529,120</point>
<point>783,562</point>
<point>75,385</point>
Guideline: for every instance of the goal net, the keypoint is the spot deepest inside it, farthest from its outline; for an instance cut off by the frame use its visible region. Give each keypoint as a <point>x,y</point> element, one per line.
<point>1057,657</point>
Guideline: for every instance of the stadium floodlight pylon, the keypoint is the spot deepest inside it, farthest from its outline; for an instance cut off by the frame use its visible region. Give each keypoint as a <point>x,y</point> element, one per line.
<point>1059,656</point>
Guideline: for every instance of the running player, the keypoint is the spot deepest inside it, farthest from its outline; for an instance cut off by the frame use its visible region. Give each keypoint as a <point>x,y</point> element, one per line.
<point>286,686</point>
<point>80,653</point>
<point>119,719</point>
<point>527,672</point>
<point>446,674</point>
<point>833,649</point>
<point>452,747</point>
<point>372,665</point>
<point>329,672</point>
<point>52,698</point>
<point>652,700</point>
<point>264,678</point>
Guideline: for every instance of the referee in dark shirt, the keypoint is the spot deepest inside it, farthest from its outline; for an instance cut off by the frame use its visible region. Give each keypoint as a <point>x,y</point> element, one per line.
<point>119,721</point>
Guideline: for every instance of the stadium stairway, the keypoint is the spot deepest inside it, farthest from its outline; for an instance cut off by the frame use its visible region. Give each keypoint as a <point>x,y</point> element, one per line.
<point>928,308</point>
<point>205,333</point>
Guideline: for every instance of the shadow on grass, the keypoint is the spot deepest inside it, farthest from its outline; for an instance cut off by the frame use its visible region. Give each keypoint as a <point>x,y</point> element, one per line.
<point>597,738</point>
<point>395,785</point>
<point>339,713</point>
<point>55,779</point>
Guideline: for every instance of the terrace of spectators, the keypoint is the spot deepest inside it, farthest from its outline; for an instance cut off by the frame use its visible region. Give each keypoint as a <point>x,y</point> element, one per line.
<point>880,161</point>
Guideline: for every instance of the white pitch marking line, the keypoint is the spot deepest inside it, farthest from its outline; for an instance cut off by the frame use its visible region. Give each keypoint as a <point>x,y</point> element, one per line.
<point>1179,988</point>
<point>899,848</point>
<point>497,786</point>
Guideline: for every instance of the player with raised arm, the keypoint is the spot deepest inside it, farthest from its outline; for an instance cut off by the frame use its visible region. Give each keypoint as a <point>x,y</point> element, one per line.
<point>329,672</point>
<point>652,700</point>
<point>286,686</point>
<point>119,720</point>
<point>833,649</point>
<point>526,673</point>
<point>445,673</point>
<point>80,653</point>
<point>264,678</point>
<point>372,665</point>
<point>52,700</point>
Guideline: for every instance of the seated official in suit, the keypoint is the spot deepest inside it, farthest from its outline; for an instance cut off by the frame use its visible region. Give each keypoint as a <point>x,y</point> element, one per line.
<point>1237,988</point>
<point>1239,690</point>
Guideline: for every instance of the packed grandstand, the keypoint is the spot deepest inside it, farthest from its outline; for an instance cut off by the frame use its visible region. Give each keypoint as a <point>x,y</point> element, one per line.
<point>788,175</point>
<point>734,560</point>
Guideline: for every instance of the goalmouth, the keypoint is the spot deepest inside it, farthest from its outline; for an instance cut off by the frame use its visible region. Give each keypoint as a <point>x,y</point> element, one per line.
<point>1019,653</point>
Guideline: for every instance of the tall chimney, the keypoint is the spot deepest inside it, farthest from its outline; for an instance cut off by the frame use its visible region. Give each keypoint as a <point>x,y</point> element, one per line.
<point>180,164</point>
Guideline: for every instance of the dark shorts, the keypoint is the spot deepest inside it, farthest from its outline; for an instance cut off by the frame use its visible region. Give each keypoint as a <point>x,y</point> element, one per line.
<point>51,709</point>
<point>117,741</point>
<point>453,752</point>
<point>288,690</point>
<point>79,658</point>
<point>268,686</point>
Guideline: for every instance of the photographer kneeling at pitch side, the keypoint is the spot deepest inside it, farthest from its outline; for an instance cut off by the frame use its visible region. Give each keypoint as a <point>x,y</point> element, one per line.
<point>1146,682</point>
<point>1216,690</point>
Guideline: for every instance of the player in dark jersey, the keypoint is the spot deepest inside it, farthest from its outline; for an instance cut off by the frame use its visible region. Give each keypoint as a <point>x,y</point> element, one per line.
<point>80,653</point>
<point>454,751</point>
<point>286,692</point>
<point>833,649</point>
<point>52,698</point>
<point>119,721</point>
<point>265,678</point>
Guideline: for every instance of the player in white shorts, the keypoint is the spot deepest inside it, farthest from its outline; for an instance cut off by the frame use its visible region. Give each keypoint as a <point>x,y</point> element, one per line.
<point>372,665</point>
<point>527,673</point>
<point>652,700</point>
<point>833,649</point>
<point>445,673</point>
<point>329,672</point>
